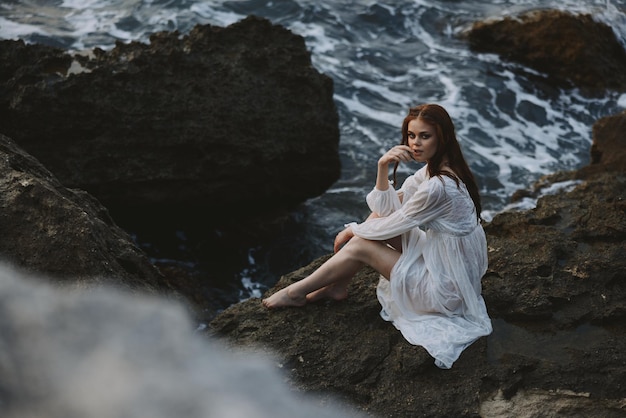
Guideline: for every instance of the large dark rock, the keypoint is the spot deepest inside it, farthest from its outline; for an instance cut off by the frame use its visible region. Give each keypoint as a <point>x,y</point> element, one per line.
<point>572,50</point>
<point>64,233</point>
<point>200,128</point>
<point>555,289</point>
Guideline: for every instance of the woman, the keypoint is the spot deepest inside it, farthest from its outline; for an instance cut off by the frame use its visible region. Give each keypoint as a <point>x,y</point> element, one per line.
<point>425,240</point>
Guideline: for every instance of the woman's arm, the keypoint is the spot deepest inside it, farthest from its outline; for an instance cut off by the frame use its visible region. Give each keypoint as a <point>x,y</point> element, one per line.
<point>399,153</point>
<point>427,204</point>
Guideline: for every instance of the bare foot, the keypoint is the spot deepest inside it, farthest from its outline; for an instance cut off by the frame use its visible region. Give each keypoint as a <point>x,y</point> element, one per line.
<point>333,291</point>
<point>282,298</point>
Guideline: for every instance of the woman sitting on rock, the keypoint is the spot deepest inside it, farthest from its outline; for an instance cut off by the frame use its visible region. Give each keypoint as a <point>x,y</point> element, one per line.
<point>425,240</point>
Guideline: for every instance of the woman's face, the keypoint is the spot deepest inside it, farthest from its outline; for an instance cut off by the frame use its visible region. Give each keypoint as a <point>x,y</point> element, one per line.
<point>422,140</point>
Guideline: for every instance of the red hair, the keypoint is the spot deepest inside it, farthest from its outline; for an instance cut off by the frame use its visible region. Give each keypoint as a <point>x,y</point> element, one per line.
<point>447,146</point>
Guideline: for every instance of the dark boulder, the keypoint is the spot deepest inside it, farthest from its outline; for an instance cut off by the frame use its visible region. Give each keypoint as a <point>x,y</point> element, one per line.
<point>64,233</point>
<point>572,50</point>
<point>198,129</point>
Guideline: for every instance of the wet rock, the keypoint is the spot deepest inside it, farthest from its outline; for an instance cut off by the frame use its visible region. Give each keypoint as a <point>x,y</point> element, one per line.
<point>571,50</point>
<point>64,233</point>
<point>218,124</point>
<point>555,289</point>
<point>608,151</point>
<point>566,251</point>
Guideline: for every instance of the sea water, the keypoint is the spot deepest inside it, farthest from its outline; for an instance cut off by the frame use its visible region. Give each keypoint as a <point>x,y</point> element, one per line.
<point>383,56</point>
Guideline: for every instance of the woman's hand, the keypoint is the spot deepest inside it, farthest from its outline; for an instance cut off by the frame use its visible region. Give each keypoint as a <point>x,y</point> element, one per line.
<point>397,154</point>
<point>343,237</point>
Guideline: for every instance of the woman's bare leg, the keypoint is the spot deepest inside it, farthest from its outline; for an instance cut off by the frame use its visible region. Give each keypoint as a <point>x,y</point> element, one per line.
<point>339,289</point>
<point>337,271</point>
<point>334,291</point>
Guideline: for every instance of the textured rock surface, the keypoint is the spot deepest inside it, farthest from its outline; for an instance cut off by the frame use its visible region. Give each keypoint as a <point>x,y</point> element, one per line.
<point>570,49</point>
<point>555,289</point>
<point>64,233</point>
<point>186,128</point>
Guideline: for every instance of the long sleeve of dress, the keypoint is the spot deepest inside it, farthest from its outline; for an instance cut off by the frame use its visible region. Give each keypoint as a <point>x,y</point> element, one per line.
<point>426,205</point>
<point>385,202</point>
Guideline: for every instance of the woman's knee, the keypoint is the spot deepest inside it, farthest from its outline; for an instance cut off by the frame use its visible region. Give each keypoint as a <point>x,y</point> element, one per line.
<point>376,254</point>
<point>362,249</point>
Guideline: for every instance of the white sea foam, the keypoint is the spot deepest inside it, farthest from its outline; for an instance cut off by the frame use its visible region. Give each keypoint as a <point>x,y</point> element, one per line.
<point>87,22</point>
<point>10,29</point>
<point>210,14</point>
<point>339,190</point>
<point>319,42</point>
<point>82,4</point>
<point>250,288</point>
<point>354,105</point>
<point>383,91</point>
<point>528,203</point>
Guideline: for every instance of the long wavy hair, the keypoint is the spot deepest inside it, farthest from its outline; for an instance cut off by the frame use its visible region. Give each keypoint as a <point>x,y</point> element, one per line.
<point>448,146</point>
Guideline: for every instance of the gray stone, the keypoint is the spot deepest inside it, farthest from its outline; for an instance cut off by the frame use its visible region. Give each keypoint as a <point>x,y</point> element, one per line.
<point>103,353</point>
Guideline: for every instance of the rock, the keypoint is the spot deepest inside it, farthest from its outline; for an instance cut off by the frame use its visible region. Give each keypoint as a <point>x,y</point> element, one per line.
<point>555,289</point>
<point>572,50</point>
<point>569,254</point>
<point>197,129</point>
<point>344,349</point>
<point>69,236</point>
<point>105,353</point>
<point>608,151</point>
<point>567,270</point>
<point>64,233</point>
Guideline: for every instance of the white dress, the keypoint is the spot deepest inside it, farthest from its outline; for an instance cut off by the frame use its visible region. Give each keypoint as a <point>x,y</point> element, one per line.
<point>434,294</point>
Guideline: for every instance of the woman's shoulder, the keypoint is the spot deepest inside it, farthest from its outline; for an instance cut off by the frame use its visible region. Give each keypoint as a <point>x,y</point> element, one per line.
<point>422,175</point>
<point>415,180</point>
<point>444,182</point>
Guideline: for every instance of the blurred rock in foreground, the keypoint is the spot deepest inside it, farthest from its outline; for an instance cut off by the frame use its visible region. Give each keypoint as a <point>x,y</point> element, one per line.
<point>102,354</point>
